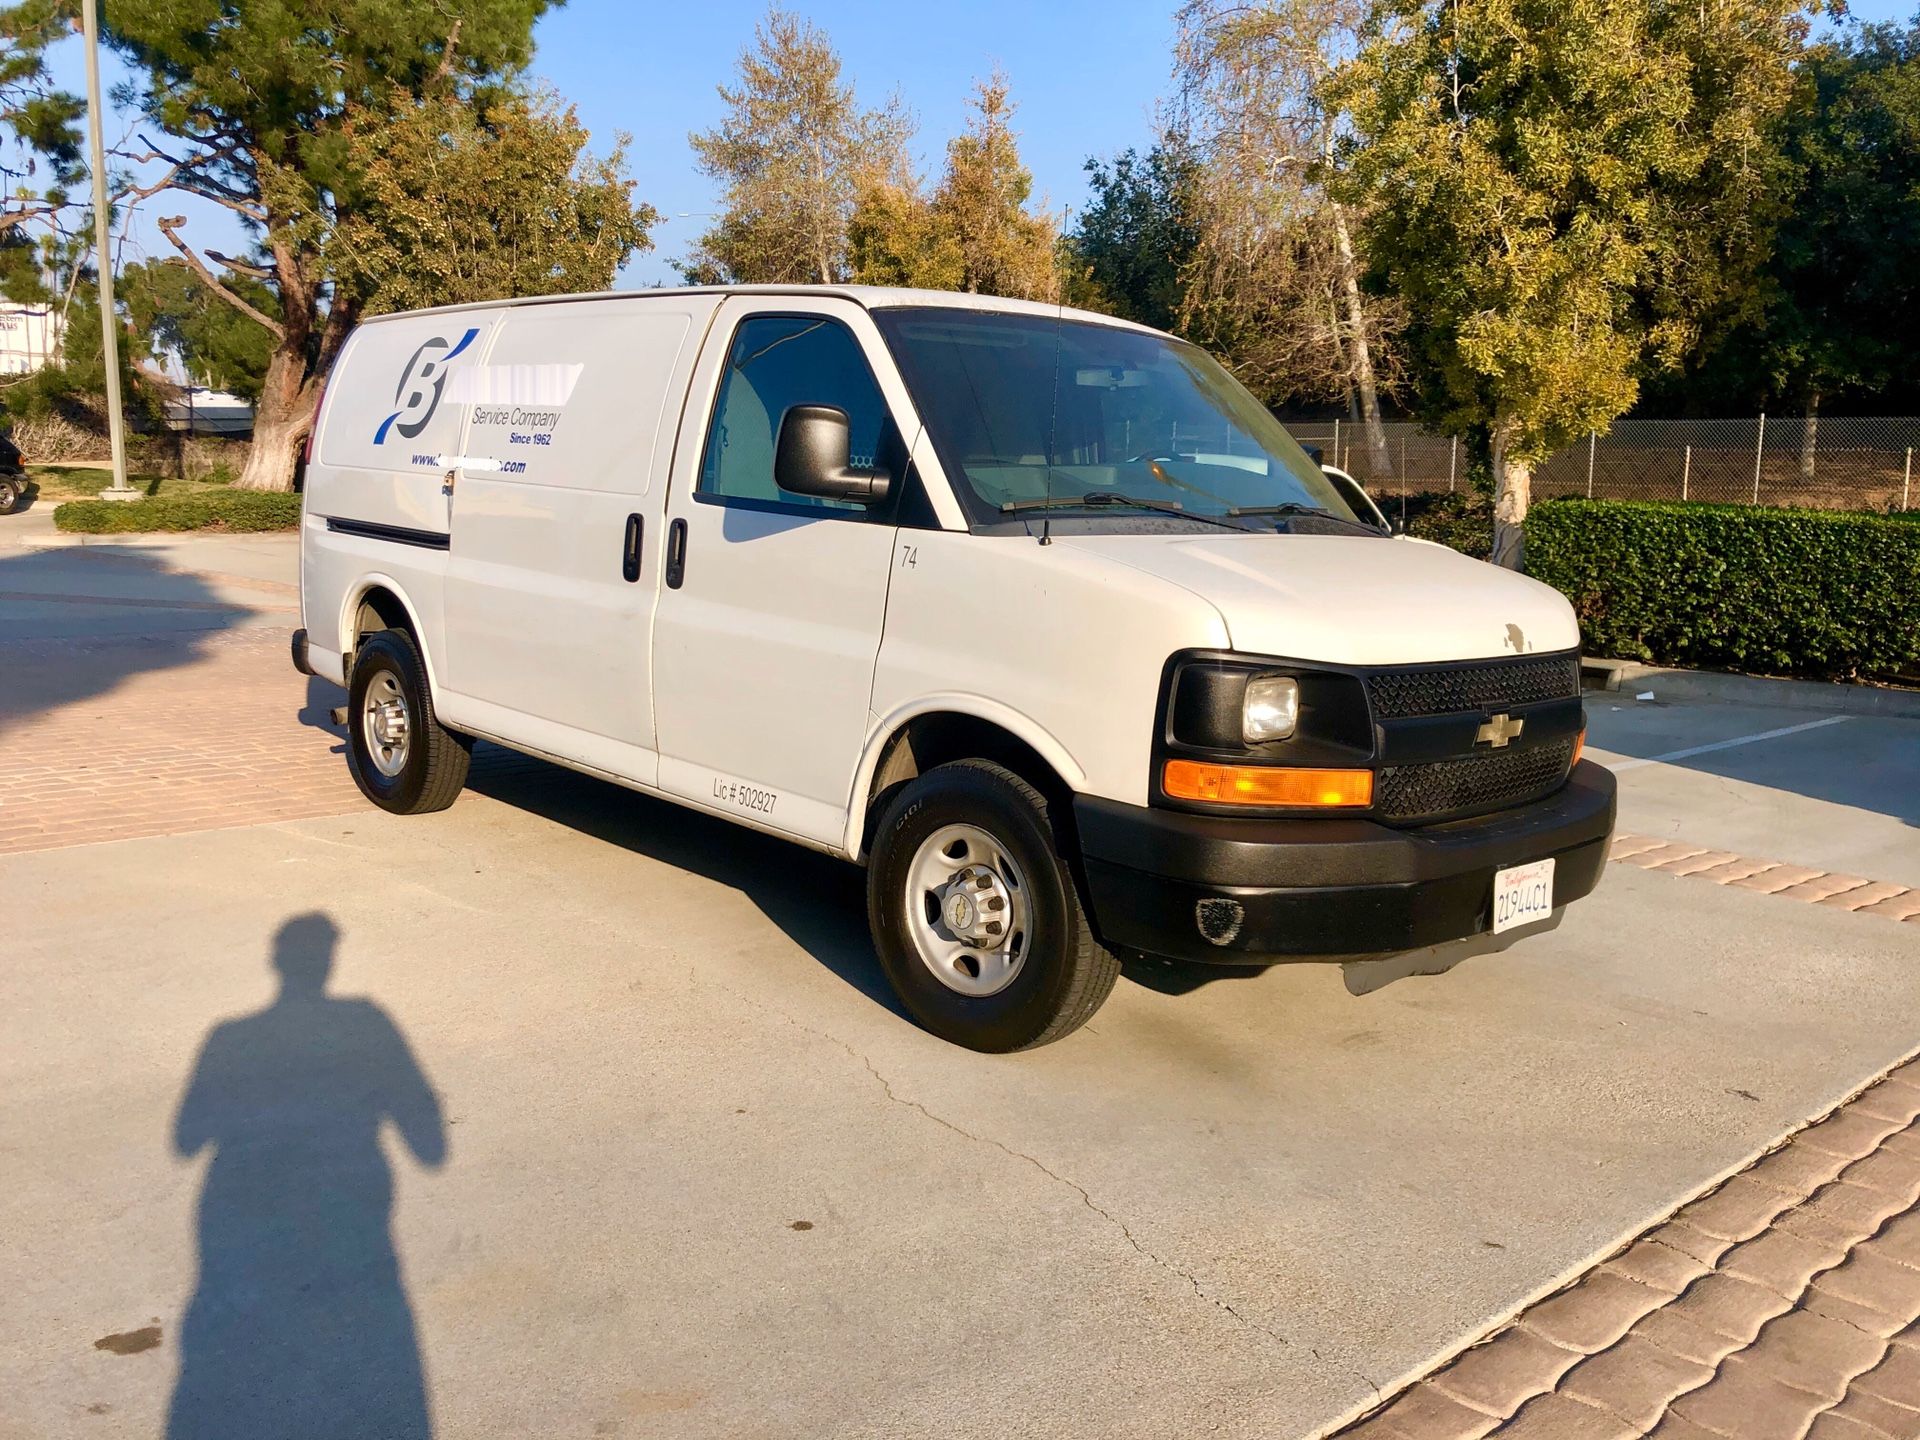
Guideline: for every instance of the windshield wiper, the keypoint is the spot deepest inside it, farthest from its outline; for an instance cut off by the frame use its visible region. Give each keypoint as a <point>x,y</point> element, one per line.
<point>1294,507</point>
<point>1099,499</point>
<point>1286,507</point>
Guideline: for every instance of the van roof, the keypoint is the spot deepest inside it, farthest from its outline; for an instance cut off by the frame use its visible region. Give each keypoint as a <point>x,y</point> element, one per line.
<point>873,297</point>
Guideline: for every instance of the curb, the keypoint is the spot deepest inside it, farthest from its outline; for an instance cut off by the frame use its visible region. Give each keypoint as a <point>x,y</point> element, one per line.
<point>146,537</point>
<point>1713,687</point>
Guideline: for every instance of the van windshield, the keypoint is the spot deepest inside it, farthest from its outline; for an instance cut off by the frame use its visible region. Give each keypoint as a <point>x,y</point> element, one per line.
<point>1030,414</point>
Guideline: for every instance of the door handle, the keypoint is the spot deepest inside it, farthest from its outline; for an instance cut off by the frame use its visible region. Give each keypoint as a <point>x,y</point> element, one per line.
<point>676,554</point>
<point>630,551</point>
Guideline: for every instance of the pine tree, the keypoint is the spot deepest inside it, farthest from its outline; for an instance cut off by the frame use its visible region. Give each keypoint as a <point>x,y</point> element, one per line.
<point>791,156</point>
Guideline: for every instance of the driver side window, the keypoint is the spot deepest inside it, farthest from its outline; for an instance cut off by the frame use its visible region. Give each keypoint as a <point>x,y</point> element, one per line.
<point>777,361</point>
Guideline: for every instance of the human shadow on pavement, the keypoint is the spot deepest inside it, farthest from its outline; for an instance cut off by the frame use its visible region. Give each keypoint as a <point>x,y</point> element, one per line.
<point>817,901</point>
<point>300,1324</point>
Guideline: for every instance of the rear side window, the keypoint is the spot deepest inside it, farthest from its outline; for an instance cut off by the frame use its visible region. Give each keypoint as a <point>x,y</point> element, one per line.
<point>777,361</point>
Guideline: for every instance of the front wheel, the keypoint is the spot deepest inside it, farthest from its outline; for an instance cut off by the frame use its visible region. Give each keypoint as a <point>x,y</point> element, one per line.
<point>403,759</point>
<point>975,915</point>
<point>11,491</point>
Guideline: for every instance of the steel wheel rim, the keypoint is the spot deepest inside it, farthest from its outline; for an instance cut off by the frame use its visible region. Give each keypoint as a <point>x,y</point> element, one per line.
<point>386,725</point>
<point>953,881</point>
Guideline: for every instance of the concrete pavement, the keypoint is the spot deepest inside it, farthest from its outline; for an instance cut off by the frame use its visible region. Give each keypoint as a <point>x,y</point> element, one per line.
<point>682,1170</point>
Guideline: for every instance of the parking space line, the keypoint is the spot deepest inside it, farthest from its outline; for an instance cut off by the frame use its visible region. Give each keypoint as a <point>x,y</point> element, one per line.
<point>1619,765</point>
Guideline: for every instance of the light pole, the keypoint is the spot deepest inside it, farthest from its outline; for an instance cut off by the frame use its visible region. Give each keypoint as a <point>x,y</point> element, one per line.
<point>103,254</point>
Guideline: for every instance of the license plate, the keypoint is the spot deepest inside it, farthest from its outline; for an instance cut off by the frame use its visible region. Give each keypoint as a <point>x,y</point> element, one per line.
<point>1522,894</point>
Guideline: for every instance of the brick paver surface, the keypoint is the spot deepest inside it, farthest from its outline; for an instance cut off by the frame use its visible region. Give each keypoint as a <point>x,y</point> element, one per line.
<point>120,738</point>
<point>1783,1305</point>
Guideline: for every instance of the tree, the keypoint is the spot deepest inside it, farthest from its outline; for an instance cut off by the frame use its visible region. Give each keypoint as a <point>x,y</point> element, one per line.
<point>1276,280</point>
<point>1559,195</point>
<point>40,122</point>
<point>1840,292</point>
<point>1004,249</point>
<point>791,156</point>
<point>1137,234</point>
<point>169,310</point>
<point>897,237</point>
<point>974,233</point>
<point>458,202</point>
<point>248,100</point>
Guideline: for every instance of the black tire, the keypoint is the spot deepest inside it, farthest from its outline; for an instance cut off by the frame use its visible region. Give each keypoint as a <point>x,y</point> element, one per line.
<point>1065,973</point>
<point>433,766</point>
<point>10,492</point>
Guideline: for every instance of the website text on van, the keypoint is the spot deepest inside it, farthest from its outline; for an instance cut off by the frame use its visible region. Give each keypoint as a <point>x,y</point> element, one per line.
<point>1037,614</point>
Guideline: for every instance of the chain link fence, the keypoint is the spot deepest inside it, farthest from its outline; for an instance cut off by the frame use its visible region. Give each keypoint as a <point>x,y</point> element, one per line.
<point>1838,463</point>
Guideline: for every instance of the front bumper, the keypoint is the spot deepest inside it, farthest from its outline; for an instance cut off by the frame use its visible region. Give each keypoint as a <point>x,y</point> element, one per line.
<point>1240,891</point>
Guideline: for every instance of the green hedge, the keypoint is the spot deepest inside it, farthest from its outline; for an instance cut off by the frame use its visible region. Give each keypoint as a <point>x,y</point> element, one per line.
<point>207,510</point>
<point>1461,520</point>
<point>1799,592</point>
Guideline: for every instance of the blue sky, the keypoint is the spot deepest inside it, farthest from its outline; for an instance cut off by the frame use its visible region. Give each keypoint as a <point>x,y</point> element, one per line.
<point>1086,76</point>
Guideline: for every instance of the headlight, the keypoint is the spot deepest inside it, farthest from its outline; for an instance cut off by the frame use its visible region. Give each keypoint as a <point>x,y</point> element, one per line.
<point>1271,709</point>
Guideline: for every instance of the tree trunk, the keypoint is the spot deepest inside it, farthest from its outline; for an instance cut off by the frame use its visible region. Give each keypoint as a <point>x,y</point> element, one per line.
<point>1810,437</point>
<point>1363,381</point>
<point>1513,488</point>
<point>281,420</point>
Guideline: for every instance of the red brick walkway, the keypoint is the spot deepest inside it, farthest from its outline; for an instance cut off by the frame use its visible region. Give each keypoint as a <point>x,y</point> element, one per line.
<point>114,739</point>
<point>1784,1305</point>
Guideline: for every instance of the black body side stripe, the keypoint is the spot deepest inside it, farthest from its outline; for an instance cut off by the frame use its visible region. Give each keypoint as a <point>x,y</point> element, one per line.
<point>398,534</point>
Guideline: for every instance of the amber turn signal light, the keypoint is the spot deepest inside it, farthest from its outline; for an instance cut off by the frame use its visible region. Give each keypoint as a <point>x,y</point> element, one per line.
<point>1579,744</point>
<point>1266,785</point>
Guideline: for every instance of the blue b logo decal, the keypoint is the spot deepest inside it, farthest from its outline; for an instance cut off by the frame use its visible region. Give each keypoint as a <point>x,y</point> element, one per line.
<point>418,395</point>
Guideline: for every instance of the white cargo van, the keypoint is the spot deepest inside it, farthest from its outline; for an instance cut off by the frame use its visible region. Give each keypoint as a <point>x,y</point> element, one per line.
<point>1037,614</point>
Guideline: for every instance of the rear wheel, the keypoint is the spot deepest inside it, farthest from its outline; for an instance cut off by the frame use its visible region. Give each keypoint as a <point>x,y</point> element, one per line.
<point>975,915</point>
<point>403,759</point>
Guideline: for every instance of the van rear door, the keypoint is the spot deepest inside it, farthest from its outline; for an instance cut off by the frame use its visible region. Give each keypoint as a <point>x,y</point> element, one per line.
<point>552,576</point>
<point>764,649</point>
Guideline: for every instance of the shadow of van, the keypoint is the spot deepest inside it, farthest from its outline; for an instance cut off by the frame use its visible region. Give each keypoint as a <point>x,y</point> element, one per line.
<point>818,902</point>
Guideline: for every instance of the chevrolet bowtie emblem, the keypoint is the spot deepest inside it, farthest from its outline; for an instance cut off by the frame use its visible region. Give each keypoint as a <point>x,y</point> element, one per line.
<point>1499,730</point>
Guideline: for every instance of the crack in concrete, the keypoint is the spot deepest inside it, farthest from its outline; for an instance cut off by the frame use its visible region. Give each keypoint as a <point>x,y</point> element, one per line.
<point>1086,1199</point>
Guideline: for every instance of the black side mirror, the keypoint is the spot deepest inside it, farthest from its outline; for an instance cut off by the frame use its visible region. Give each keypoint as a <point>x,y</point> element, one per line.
<point>811,458</point>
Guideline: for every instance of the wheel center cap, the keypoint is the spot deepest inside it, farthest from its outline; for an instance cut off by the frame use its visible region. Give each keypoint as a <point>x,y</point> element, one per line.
<point>960,913</point>
<point>389,722</point>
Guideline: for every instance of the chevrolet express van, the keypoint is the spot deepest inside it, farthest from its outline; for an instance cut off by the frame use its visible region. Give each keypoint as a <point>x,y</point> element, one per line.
<point>1038,615</point>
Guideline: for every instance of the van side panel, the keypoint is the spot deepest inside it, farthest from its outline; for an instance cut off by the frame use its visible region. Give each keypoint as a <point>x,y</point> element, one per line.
<point>389,422</point>
<point>571,429</point>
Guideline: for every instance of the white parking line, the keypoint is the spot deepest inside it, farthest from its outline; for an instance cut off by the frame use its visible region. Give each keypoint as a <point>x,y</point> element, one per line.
<point>1618,765</point>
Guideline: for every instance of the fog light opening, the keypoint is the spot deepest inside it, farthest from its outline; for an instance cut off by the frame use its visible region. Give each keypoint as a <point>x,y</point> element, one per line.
<point>1219,919</point>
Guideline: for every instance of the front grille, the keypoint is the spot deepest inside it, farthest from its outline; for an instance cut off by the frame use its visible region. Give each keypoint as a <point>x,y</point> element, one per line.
<point>1487,685</point>
<point>1443,789</point>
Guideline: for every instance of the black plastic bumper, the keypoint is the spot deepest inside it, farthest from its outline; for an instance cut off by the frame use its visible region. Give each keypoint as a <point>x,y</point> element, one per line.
<point>1245,891</point>
<point>300,660</point>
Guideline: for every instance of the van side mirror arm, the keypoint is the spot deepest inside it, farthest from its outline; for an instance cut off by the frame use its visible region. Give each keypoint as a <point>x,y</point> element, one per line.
<point>811,457</point>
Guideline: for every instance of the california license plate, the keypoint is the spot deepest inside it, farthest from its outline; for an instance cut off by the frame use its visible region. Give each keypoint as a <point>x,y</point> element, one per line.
<point>1522,894</point>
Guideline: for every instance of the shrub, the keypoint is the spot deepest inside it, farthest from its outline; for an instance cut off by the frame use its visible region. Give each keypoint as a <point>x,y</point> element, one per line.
<point>1461,520</point>
<point>237,510</point>
<point>1805,592</point>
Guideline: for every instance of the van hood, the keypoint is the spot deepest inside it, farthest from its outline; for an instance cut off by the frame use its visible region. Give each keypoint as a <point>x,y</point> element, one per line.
<point>1351,599</point>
